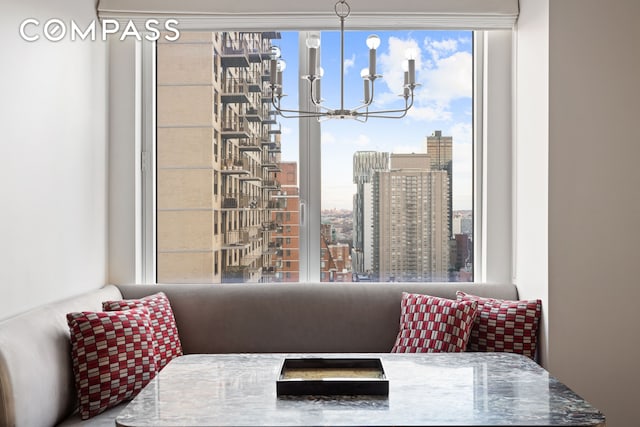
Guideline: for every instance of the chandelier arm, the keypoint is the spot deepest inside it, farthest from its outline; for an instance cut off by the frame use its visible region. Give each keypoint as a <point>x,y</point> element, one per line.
<point>281,111</point>
<point>379,115</point>
<point>315,101</point>
<point>298,113</point>
<point>400,110</point>
<point>373,91</point>
<point>304,115</point>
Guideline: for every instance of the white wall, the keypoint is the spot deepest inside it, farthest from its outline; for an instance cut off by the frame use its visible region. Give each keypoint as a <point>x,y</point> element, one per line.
<point>594,202</point>
<point>531,157</point>
<point>577,115</point>
<point>125,148</point>
<point>53,222</point>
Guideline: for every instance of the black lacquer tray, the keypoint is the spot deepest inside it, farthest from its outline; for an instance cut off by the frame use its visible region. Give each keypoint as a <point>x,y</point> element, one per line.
<point>332,376</point>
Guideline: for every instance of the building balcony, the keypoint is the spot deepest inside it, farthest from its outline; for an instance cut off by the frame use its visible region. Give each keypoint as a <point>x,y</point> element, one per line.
<point>250,144</point>
<point>269,118</point>
<point>266,96</point>
<point>250,177</point>
<point>269,271</point>
<point>236,274</point>
<point>236,239</point>
<point>254,83</point>
<point>234,91</point>
<point>270,184</point>
<point>231,201</point>
<point>271,226</point>
<point>275,147</point>
<point>236,167</point>
<point>235,55</point>
<point>242,238</point>
<point>272,248</point>
<point>270,161</point>
<point>252,114</point>
<point>275,130</point>
<point>259,54</point>
<point>253,261</point>
<point>278,204</point>
<point>235,128</point>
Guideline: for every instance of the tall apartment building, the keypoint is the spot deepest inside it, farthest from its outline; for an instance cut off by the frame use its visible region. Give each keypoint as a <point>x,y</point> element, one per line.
<point>217,158</point>
<point>410,225</point>
<point>440,150</point>
<point>285,215</point>
<point>365,164</point>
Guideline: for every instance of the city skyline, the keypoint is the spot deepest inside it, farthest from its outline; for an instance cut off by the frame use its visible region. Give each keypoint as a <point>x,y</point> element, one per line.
<point>443,102</point>
<point>228,201</point>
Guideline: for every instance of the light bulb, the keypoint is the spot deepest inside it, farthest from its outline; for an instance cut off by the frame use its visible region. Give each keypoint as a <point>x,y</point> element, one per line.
<point>364,73</point>
<point>313,41</point>
<point>411,53</point>
<point>275,52</point>
<point>373,41</point>
<point>281,65</point>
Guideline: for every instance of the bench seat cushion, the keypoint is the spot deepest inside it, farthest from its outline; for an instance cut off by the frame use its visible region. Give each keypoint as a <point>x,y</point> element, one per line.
<point>105,419</point>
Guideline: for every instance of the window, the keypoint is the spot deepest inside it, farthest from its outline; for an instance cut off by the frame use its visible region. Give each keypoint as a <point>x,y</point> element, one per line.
<point>404,173</point>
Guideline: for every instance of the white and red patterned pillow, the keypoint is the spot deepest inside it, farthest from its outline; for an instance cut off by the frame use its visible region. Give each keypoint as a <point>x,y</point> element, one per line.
<point>503,325</point>
<point>432,324</point>
<point>113,355</point>
<point>163,321</point>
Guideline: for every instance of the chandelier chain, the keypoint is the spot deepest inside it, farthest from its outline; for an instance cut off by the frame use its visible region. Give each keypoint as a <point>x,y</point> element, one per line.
<point>342,9</point>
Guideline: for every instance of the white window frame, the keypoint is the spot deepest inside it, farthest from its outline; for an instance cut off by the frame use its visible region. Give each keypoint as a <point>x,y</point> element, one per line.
<point>493,162</point>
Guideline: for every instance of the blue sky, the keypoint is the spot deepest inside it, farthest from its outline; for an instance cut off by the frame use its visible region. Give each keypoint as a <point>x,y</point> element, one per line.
<point>443,102</point>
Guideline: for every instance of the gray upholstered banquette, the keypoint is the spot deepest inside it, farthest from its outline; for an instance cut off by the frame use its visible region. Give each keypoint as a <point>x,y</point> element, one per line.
<point>36,378</point>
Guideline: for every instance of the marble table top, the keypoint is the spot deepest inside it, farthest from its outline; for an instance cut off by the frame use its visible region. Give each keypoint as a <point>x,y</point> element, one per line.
<point>436,389</point>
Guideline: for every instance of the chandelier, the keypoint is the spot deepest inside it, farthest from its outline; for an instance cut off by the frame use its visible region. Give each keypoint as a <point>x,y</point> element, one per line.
<point>369,77</point>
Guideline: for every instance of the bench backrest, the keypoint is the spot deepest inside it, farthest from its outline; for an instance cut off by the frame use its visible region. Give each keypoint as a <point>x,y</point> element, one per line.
<point>36,376</point>
<point>291,318</point>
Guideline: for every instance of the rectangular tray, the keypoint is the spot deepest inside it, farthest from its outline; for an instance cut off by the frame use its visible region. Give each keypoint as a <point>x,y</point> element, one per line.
<point>332,376</point>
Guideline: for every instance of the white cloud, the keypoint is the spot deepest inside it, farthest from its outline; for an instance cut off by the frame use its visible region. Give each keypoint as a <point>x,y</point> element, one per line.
<point>451,78</point>
<point>391,63</point>
<point>286,130</point>
<point>462,133</point>
<point>436,113</point>
<point>362,140</point>
<point>438,47</point>
<point>444,73</point>
<point>349,63</point>
<point>462,176</point>
<point>328,138</point>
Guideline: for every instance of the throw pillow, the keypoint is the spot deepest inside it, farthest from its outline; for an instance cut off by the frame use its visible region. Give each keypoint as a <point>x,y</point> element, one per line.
<point>503,325</point>
<point>113,357</point>
<point>432,324</point>
<point>163,321</point>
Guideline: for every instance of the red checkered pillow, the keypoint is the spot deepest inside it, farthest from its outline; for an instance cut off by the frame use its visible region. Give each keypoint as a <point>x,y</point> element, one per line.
<point>113,357</point>
<point>432,324</point>
<point>163,321</point>
<point>502,325</point>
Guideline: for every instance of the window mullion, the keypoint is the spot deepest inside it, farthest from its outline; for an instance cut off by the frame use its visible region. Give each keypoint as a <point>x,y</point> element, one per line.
<point>310,177</point>
<point>148,261</point>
